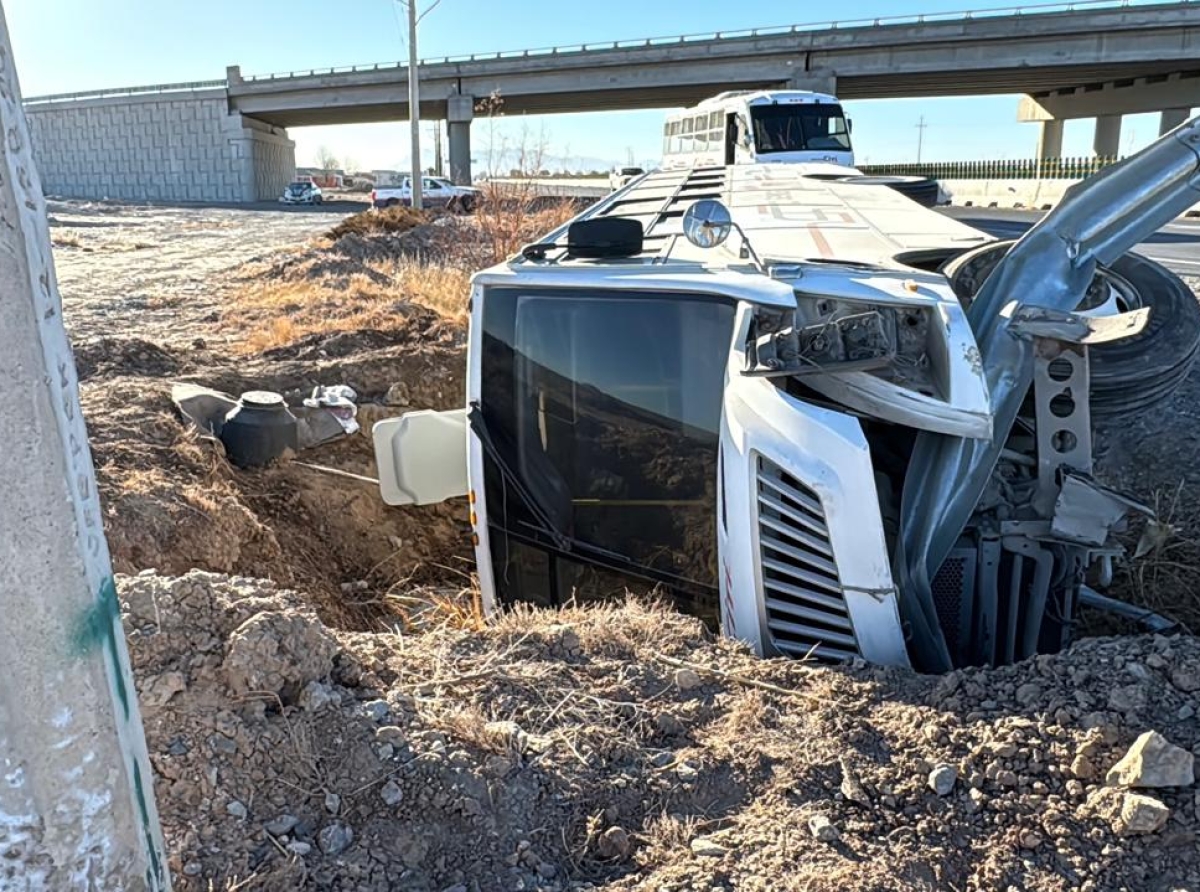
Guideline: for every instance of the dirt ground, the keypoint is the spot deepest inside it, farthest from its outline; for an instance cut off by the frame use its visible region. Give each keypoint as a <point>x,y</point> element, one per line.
<point>326,710</point>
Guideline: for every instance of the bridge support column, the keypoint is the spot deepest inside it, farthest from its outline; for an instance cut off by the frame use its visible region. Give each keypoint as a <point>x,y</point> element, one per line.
<point>1050,140</point>
<point>76,805</point>
<point>1107,141</point>
<point>459,112</point>
<point>1172,118</point>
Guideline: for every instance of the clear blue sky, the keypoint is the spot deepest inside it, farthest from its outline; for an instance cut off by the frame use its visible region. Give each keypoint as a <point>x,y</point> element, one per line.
<point>68,45</point>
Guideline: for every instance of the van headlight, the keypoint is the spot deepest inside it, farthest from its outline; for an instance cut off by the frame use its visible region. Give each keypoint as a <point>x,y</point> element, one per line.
<point>826,334</point>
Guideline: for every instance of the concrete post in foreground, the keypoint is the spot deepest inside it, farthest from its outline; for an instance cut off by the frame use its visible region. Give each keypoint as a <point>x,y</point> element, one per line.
<point>459,112</point>
<point>76,806</point>
<point>1050,140</point>
<point>1172,118</point>
<point>1107,141</point>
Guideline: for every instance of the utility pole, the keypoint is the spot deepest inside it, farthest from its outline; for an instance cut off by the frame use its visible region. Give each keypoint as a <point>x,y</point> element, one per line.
<point>414,106</point>
<point>76,805</point>
<point>437,148</point>
<point>920,137</point>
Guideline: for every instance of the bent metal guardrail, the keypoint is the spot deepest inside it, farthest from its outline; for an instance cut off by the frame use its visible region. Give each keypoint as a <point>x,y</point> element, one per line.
<point>1018,169</point>
<point>925,18</point>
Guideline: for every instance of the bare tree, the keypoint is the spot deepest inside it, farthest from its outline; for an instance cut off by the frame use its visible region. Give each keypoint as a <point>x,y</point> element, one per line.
<point>492,107</point>
<point>326,160</point>
<point>531,149</point>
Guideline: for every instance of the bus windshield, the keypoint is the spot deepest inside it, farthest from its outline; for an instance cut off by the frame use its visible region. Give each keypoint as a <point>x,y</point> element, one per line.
<point>799,128</point>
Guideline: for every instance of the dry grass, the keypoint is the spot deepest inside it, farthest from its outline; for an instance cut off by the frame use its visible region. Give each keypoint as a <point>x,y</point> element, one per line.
<point>278,313</point>
<point>1164,575</point>
<point>65,240</point>
<point>275,311</point>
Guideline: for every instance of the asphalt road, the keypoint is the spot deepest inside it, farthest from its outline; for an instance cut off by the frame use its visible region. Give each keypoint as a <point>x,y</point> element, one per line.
<point>1176,246</point>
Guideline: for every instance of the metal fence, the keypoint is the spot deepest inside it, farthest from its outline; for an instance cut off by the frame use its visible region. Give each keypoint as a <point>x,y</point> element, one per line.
<point>1021,169</point>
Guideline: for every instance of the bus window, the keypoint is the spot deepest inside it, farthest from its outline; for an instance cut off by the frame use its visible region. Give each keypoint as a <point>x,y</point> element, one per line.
<point>714,121</point>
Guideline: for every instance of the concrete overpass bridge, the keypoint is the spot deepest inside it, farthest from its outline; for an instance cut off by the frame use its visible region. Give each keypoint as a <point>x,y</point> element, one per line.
<point>1071,59</point>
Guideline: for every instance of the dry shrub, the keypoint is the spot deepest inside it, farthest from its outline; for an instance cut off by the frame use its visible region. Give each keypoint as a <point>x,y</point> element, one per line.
<point>65,240</point>
<point>513,215</point>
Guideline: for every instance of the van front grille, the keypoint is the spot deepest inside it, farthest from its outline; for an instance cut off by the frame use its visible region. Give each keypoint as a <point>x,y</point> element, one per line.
<point>806,610</point>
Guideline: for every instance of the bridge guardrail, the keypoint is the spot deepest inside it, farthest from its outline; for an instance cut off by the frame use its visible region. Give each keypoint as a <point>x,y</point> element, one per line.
<point>956,16</point>
<point>123,91</point>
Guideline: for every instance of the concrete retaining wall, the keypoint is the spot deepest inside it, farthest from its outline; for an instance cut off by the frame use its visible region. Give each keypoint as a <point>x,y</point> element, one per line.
<point>1034,194</point>
<point>182,146</point>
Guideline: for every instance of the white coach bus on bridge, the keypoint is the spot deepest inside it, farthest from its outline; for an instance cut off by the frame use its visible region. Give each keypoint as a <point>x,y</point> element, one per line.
<point>751,127</point>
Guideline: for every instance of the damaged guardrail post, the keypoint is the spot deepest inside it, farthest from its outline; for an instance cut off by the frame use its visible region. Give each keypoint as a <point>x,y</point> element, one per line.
<point>76,806</point>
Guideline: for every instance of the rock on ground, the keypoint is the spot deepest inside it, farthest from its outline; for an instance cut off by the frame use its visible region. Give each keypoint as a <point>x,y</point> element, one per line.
<point>1153,761</point>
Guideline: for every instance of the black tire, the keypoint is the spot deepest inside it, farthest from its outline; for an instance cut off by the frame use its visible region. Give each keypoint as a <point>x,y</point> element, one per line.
<point>467,204</point>
<point>391,202</point>
<point>922,190</point>
<point>1134,373</point>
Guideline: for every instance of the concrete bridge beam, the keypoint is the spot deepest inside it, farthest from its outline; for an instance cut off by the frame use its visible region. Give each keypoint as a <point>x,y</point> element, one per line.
<point>460,110</point>
<point>1106,142</point>
<point>820,80</point>
<point>1137,96</point>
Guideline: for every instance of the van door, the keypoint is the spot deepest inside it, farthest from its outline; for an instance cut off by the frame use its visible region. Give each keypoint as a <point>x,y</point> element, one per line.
<point>804,565</point>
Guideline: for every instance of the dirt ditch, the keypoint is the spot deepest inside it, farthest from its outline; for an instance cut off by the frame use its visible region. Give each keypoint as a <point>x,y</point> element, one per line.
<point>623,748</point>
<point>326,710</point>
<point>173,502</point>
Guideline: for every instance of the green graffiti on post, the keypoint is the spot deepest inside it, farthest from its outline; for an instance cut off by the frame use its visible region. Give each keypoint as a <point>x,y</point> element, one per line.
<point>98,627</point>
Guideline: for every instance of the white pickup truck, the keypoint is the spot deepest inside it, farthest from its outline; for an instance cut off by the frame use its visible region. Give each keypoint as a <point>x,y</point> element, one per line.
<point>435,192</point>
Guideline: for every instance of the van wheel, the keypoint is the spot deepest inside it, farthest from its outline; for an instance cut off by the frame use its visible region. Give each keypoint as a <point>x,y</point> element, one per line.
<point>922,190</point>
<point>1136,372</point>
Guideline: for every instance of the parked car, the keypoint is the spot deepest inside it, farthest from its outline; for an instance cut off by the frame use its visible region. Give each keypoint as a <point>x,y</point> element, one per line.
<point>435,192</point>
<point>302,193</point>
<point>623,176</point>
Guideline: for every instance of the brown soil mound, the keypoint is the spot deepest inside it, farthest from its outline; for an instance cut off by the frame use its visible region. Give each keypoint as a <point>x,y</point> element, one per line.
<point>394,219</point>
<point>622,748</point>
